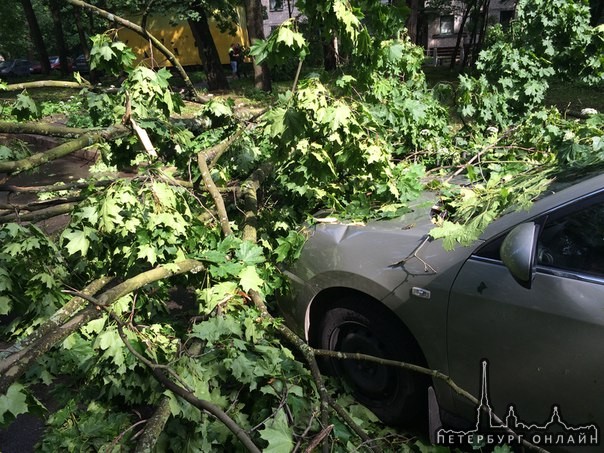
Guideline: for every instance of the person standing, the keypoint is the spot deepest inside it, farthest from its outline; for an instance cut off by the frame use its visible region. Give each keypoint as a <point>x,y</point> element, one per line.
<point>234,58</point>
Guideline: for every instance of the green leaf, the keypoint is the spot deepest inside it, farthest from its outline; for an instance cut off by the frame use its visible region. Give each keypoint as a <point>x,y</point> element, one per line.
<point>214,329</point>
<point>148,252</point>
<point>25,107</point>
<point>77,241</point>
<point>95,326</point>
<point>249,279</point>
<point>13,401</point>
<point>218,109</point>
<point>278,434</point>
<point>45,279</point>
<point>250,253</point>
<point>5,305</point>
<point>164,193</point>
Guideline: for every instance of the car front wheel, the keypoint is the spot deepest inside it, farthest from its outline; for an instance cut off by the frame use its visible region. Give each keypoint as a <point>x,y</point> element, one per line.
<point>395,395</point>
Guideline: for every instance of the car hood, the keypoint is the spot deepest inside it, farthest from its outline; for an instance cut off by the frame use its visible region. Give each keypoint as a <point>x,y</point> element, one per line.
<point>372,257</point>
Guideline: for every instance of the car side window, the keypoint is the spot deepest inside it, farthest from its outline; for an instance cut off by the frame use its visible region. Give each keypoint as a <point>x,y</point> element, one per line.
<point>574,241</point>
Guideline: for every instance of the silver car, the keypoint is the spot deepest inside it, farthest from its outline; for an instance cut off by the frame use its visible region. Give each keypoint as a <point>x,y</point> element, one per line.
<point>517,318</point>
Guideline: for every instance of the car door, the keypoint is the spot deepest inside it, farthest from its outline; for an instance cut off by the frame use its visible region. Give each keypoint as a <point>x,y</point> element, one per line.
<point>544,343</point>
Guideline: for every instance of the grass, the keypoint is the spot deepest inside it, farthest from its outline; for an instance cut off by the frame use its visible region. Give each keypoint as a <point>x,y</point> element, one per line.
<point>565,95</point>
<point>568,96</point>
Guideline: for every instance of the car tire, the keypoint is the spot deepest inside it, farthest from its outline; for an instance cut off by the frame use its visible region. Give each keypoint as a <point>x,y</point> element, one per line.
<point>395,395</point>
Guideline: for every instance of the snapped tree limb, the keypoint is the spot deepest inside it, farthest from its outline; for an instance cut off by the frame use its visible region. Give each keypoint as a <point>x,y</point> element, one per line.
<point>47,84</point>
<point>88,139</point>
<point>158,371</point>
<point>12,367</point>
<point>214,192</point>
<point>249,193</point>
<point>144,33</point>
<point>432,373</point>
<point>37,216</point>
<point>39,128</point>
<point>55,187</point>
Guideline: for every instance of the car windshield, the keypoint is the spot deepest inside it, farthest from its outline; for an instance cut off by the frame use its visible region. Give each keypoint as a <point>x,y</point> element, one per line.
<point>570,176</point>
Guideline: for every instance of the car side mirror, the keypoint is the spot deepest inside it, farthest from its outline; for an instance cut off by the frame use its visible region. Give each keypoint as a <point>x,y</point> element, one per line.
<point>518,252</point>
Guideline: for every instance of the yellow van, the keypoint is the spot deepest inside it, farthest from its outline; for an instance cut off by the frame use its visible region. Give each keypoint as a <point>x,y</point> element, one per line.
<point>178,38</point>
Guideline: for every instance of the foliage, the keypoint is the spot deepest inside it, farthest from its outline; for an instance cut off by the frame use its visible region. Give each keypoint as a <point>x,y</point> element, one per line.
<point>556,30</point>
<point>110,56</point>
<point>25,108</point>
<point>515,168</point>
<point>338,18</point>
<point>283,44</point>
<point>92,427</point>
<point>548,39</point>
<point>359,144</point>
<point>330,153</point>
<point>31,269</point>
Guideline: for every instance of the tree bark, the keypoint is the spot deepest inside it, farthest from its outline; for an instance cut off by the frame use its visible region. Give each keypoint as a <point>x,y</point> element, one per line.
<point>597,10</point>
<point>36,35</point>
<point>13,366</point>
<point>154,427</point>
<point>84,44</point>
<point>213,190</point>
<point>207,52</point>
<point>484,15</point>
<point>35,160</point>
<point>38,216</point>
<point>62,315</point>
<point>330,57</point>
<point>255,31</point>
<point>55,12</point>
<point>38,205</point>
<point>47,84</point>
<point>476,14</point>
<point>412,20</point>
<point>52,130</point>
<point>462,25</point>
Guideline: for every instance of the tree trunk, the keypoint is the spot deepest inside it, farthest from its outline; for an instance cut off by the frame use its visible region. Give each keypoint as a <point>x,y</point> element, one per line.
<point>422,26</point>
<point>81,33</point>
<point>330,55</point>
<point>484,17</point>
<point>255,31</point>
<point>412,20</point>
<point>36,35</point>
<point>207,52</point>
<point>462,25</point>
<point>55,12</point>
<point>477,5</point>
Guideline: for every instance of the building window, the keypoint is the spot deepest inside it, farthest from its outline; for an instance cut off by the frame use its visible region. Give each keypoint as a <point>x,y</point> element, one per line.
<point>276,5</point>
<point>446,25</point>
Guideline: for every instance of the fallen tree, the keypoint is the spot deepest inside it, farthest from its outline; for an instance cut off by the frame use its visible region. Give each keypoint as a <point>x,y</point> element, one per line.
<point>156,299</point>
